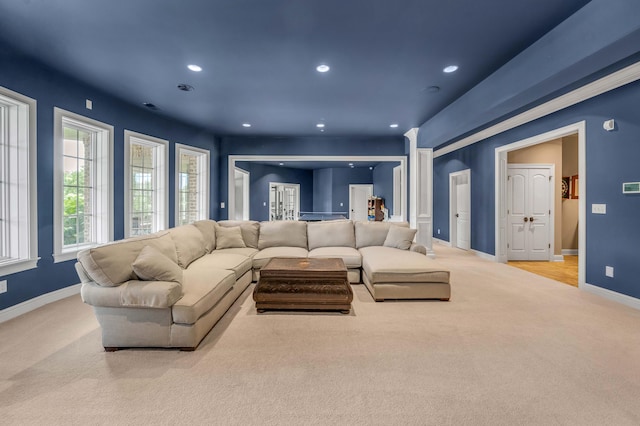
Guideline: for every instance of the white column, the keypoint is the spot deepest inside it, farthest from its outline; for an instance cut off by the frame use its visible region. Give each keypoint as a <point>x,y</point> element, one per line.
<point>412,135</point>
<point>421,193</point>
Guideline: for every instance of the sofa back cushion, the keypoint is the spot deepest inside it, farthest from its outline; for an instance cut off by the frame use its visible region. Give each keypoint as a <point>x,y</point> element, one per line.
<point>189,244</point>
<point>374,233</point>
<point>249,228</point>
<point>208,230</point>
<point>332,233</point>
<point>283,233</point>
<point>111,265</point>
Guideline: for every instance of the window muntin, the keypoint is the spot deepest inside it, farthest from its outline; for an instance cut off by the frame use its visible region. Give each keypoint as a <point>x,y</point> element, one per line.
<point>192,184</point>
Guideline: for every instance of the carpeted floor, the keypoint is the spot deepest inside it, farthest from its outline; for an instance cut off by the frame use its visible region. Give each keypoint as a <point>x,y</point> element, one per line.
<point>511,348</point>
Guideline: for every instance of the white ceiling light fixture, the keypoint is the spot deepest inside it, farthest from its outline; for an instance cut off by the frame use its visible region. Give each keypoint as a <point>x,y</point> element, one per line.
<point>323,68</point>
<point>320,125</point>
<point>393,125</point>
<point>195,68</point>
<point>246,124</point>
<point>282,164</point>
<point>450,69</point>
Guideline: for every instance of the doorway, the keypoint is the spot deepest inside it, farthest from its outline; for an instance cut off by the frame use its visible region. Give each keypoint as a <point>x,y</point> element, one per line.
<point>358,199</point>
<point>578,132</point>
<point>460,209</point>
<point>284,201</point>
<point>241,199</point>
<point>530,201</point>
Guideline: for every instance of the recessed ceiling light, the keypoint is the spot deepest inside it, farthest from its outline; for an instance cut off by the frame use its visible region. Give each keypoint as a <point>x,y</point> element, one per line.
<point>185,87</point>
<point>246,124</point>
<point>394,125</point>
<point>320,125</point>
<point>370,167</point>
<point>450,68</point>
<point>351,164</point>
<point>323,68</point>
<point>195,68</point>
<point>282,164</point>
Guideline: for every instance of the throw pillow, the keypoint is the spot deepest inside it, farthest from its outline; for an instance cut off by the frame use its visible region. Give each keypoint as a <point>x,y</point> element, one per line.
<point>151,265</point>
<point>399,237</point>
<point>229,237</point>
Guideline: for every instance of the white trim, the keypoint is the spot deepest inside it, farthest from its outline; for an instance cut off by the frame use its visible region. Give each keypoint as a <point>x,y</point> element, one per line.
<point>37,302</point>
<point>398,196</point>
<point>104,185</point>
<point>484,255</point>
<point>569,252</point>
<point>205,179</point>
<point>232,159</point>
<point>605,84</point>
<point>442,242</point>
<point>412,136</point>
<point>500,188</point>
<point>246,199</point>
<point>25,113</point>
<point>162,174</point>
<point>558,258</point>
<point>356,185</point>
<point>453,202</point>
<point>612,295</point>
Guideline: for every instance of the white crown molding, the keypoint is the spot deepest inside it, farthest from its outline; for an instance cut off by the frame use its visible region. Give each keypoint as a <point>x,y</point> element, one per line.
<point>605,84</point>
<point>37,302</point>
<point>612,295</point>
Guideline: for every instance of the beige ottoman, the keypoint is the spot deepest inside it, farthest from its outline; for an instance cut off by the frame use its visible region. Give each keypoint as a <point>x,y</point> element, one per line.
<point>391,273</point>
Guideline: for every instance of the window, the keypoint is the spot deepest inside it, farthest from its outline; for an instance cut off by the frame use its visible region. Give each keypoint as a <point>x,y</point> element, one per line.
<point>145,184</point>
<point>82,184</point>
<point>192,184</point>
<point>18,205</point>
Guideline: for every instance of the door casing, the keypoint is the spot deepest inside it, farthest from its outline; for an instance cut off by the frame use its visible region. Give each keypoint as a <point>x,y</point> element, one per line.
<point>453,207</point>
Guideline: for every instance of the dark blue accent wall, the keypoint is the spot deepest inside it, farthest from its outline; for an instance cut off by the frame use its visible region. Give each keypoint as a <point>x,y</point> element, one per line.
<point>322,190</point>
<point>261,175</point>
<point>303,146</point>
<point>52,89</point>
<point>342,178</point>
<point>611,159</point>
<point>383,183</point>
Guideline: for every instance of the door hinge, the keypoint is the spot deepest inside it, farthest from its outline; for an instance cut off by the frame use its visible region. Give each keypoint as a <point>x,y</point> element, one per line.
<point>549,211</point>
<point>550,177</point>
<point>507,245</point>
<point>508,177</point>
<point>549,245</point>
<point>508,211</point>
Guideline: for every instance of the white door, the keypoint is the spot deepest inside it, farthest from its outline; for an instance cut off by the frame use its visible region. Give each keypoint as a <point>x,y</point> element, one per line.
<point>358,199</point>
<point>241,199</point>
<point>284,201</point>
<point>529,205</point>
<point>463,211</point>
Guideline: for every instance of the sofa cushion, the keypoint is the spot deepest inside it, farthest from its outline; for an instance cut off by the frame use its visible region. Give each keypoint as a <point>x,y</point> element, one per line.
<point>390,265</point>
<point>208,230</point>
<point>245,251</point>
<point>250,230</point>
<point>333,233</point>
<point>111,264</point>
<point>280,233</point>
<point>151,265</point>
<point>350,256</point>
<point>202,289</point>
<point>399,237</point>
<point>263,256</point>
<point>132,294</point>
<point>229,238</point>
<point>373,233</point>
<point>237,263</point>
<point>189,244</point>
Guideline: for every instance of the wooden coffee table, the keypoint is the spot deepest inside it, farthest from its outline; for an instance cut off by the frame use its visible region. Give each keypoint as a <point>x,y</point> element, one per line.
<point>303,284</point>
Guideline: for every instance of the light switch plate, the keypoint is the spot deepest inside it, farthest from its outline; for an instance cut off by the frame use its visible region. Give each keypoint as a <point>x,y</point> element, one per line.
<point>3,286</point>
<point>608,271</point>
<point>222,205</point>
<point>599,208</point>
<point>89,104</point>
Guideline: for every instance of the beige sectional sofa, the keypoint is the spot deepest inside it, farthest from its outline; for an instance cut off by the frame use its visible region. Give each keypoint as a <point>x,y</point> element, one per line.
<point>169,289</point>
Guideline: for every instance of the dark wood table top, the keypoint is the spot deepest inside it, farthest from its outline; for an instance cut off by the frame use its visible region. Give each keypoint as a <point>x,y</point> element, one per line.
<point>304,267</point>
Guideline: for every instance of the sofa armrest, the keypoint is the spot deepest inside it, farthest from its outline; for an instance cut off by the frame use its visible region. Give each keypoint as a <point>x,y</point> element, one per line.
<point>418,248</point>
<point>132,294</point>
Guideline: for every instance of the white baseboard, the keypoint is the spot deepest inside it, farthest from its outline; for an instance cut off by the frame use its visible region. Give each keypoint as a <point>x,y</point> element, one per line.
<point>558,258</point>
<point>443,242</point>
<point>612,295</point>
<point>569,252</point>
<point>37,302</point>
<point>484,255</point>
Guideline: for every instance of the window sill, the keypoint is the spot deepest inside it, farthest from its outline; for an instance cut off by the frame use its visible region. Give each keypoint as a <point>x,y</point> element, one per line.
<point>68,255</point>
<point>15,266</point>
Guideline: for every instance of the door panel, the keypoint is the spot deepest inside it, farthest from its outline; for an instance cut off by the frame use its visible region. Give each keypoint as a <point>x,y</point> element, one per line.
<point>358,208</point>
<point>462,212</point>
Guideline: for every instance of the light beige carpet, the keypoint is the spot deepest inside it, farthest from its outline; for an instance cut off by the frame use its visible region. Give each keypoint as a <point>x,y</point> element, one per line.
<point>511,348</point>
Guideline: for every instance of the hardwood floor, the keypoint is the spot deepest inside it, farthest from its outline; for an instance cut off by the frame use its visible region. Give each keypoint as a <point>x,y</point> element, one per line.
<point>565,272</point>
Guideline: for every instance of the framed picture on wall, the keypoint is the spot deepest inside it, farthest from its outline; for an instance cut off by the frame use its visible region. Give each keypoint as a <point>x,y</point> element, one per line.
<point>574,187</point>
<point>566,186</point>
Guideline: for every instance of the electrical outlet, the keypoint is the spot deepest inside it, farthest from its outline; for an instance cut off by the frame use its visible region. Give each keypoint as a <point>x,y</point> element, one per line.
<point>341,204</point>
<point>608,271</point>
<point>222,205</point>
<point>264,204</point>
<point>438,231</point>
<point>89,104</point>
<point>3,286</point>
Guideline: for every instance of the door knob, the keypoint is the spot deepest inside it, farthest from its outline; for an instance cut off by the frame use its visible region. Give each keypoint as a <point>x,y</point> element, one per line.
<point>526,219</point>
<point>531,219</point>
<point>457,215</point>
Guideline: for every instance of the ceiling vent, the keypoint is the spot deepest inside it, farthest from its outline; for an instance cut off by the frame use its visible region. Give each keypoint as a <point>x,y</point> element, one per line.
<point>185,87</point>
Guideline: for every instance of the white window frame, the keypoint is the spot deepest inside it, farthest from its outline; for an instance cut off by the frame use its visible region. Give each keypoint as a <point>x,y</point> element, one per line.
<point>103,226</point>
<point>204,163</point>
<point>18,183</point>
<point>161,178</point>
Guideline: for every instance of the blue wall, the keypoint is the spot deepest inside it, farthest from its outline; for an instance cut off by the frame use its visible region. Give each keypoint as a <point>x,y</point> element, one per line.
<point>303,146</point>
<point>383,183</point>
<point>51,89</point>
<point>342,178</point>
<point>261,175</point>
<point>611,159</point>
<point>322,190</point>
